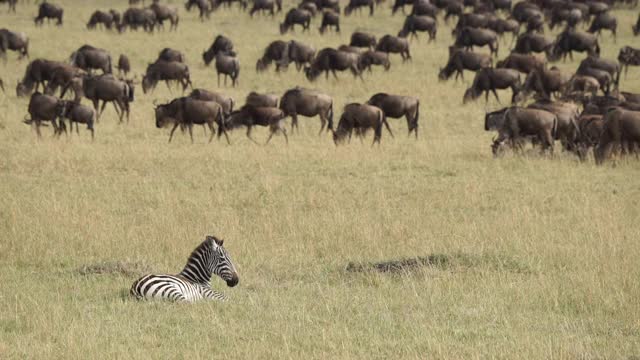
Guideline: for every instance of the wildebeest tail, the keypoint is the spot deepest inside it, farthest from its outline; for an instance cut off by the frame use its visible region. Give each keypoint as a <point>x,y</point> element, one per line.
<point>554,129</point>
<point>2,85</point>
<point>597,48</point>
<point>417,116</point>
<point>330,117</point>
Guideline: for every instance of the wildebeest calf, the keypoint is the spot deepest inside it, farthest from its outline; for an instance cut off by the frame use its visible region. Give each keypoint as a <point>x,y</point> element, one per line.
<point>361,118</point>
<point>250,116</point>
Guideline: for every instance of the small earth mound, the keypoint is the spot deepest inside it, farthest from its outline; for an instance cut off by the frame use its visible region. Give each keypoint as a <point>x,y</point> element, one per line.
<point>125,268</point>
<point>402,265</point>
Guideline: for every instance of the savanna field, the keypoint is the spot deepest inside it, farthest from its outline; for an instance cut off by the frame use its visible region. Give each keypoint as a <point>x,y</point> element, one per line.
<point>525,256</point>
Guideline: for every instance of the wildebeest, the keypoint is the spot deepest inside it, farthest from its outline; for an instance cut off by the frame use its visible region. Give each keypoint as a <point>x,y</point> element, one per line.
<point>414,23</point>
<point>105,18</point>
<point>629,56</point>
<point>636,27</point>
<point>567,15</point>
<point>397,106</point>
<point>330,18</point>
<point>38,73</point>
<point>49,11</point>
<point>11,3</point>
<point>295,16</point>
<point>332,60</point>
<point>256,99</point>
<point>228,66</point>
<point>205,7</point>
<point>567,114</point>
<point>489,80</point>
<point>519,123</point>
<point>226,102</point>
<point>88,58</point>
<point>460,60</point>
<point>399,5</point>
<point>621,129</point>
<point>309,103</point>
<point>591,127</point>
<point>545,82</point>
<point>604,77</point>
<point>469,37</point>
<point>221,44</point>
<point>524,63</point>
<point>265,5</point>
<point>250,116</point>
<point>76,113</point>
<point>357,4</point>
<point>166,71</point>
<point>43,108</point>
<point>361,118</point>
<point>525,10</point>
<point>105,88</point>
<point>502,26</point>
<point>579,86</point>
<point>14,41</point>
<point>362,39</point>
<point>276,52</point>
<point>168,54</point>
<point>62,75</point>
<point>532,42</point>
<point>301,54</point>
<point>604,21</point>
<point>187,111</point>
<point>470,20</point>
<point>124,66</point>
<point>424,8</point>
<point>396,45</point>
<point>372,57</point>
<point>611,66</point>
<point>164,12</point>
<point>572,40</point>
<point>137,17</point>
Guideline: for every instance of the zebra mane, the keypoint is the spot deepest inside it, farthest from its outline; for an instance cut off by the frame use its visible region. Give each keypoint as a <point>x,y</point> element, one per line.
<point>197,267</point>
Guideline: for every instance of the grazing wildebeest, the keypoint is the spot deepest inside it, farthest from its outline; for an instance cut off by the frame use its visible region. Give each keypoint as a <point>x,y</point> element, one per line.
<point>276,52</point>
<point>362,39</point>
<point>489,80</point>
<point>524,10</point>
<point>62,76</point>
<point>309,6</point>
<point>105,18</point>
<point>361,118</point>
<point>39,72</point>
<point>228,66</point>
<point>43,108</point>
<point>293,17</point>
<point>265,5</point>
<point>309,103</point>
<point>460,60</point>
<point>187,111</point>
<point>332,60</point>
<point>204,7</point>
<point>221,44</point>
<point>519,123</point>
<point>611,66</point>
<point>78,114</point>
<point>571,40</point>
<point>545,82</point>
<point>166,71</point>
<point>357,4</point>
<point>136,17</point>
<point>579,86</point>
<point>424,8</point>
<point>226,102</point>
<point>569,16</point>
<point>502,26</point>
<point>629,56</point>
<point>532,42</point>
<point>399,5</point>
<point>88,57</point>
<point>591,127</point>
<point>372,57</point>
<point>105,88</point>
<point>604,77</point>
<point>261,100</point>
<point>250,116</point>
<point>396,45</point>
<point>14,41</point>
<point>524,63</point>
<point>164,12</point>
<point>470,20</point>
<point>567,114</point>
<point>49,11</point>
<point>452,9</point>
<point>301,54</point>
<point>397,106</point>
<point>604,21</point>
<point>124,66</point>
<point>330,18</point>
<point>414,23</point>
<point>621,129</point>
<point>168,54</point>
<point>469,37</point>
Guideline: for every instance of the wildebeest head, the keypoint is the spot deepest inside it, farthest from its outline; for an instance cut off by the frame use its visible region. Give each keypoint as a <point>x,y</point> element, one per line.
<point>283,28</point>
<point>470,95</point>
<point>261,65</point>
<point>148,83</point>
<point>24,89</point>
<point>311,73</point>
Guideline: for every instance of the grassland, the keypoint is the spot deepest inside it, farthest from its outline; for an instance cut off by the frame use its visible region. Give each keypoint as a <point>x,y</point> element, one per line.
<point>537,257</point>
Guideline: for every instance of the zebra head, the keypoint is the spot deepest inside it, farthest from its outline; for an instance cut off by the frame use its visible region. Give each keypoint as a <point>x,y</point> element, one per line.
<point>221,263</point>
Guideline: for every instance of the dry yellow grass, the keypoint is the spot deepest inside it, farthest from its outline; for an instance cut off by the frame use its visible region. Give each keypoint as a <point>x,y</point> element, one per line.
<point>538,256</point>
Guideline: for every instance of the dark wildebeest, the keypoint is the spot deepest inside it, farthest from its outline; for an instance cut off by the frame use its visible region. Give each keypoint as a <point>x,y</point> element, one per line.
<point>399,5</point>
<point>105,88</point>
<point>226,102</point>
<point>309,6</point>
<point>591,127</point>
<point>187,111</point>
<point>362,39</point>
<point>636,27</point>
<point>569,16</point>
<point>250,116</point>
<point>567,113</point>
<point>489,80</point>
<point>494,120</point>
<point>137,17</point>
<point>49,11</point>
<point>164,12</point>
<point>471,20</point>
<point>361,118</point>
<point>221,44</point>
<point>580,86</point>
<point>39,72</point>
<point>415,23</point>
<point>330,18</point>
<point>276,52</point>
<point>611,66</point>
<point>332,60</point>
<point>424,8</point>
<point>397,106</point>
<point>604,77</point>
<point>300,53</point>
<point>62,77</point>
<point>43,108</point>
<point>460,60</point>
<point>545,82</point>
<point>261,100</point>
<point>604,21</point>
<point>630,97</point>
<point>396,45</point>
<point>14,41</point>
<point>629,56</point>
<point>372,57</point>
<point>105,18</point>
<point>205,7</point>
<point>166,71</point>
<point>293,17</point>
<point>124,66</point>
<point>469,37</point>
<point>571,40</point>
<point>525,10</point>
<point>502,26</point>
<point>519,123</point>
<point>78,114</point>
<point>168,54</point>
<point>309,103</point>
<point>532,42</point>
<point>452,9</point>
<point>357,4</point>
<point>621,129</point>
<point>88,58</point>
<point>228,66</point>
<point>524,63</point>
<point>265,5</point>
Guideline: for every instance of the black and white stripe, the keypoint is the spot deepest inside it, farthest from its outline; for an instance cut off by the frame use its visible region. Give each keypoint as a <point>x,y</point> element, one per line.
<point>193,283</point>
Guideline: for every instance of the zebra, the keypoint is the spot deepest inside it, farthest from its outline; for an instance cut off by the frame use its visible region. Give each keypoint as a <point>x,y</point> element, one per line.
<point>193,283</point>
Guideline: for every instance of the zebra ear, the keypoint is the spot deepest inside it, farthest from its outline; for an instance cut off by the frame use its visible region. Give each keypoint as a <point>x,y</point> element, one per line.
<point>219,241</point>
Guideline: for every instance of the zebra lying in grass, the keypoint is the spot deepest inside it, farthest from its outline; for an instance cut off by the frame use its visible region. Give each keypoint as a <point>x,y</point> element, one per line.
<point>193,283</point>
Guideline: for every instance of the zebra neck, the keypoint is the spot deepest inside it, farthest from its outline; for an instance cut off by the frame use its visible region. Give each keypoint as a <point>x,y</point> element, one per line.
<point>197,273</point>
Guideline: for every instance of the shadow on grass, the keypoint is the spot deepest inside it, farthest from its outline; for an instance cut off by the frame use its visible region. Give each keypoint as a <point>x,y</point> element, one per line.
<point>457,261</point>
<point>124,268</point>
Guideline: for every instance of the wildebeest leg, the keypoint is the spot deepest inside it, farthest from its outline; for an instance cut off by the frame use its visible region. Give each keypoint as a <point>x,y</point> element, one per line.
<point>37,125</point>
<point>218,79</point>
<point>175,126</point>
<point>323,123</point>
<point>210,124</point>
<point>335,75</point>
<point>249,134</point>
<point>495,93</point>
<point>386,124</point>
<point>168,87</point>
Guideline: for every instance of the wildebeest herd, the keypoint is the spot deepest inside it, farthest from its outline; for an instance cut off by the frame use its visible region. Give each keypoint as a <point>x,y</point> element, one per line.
<point>585,109</point>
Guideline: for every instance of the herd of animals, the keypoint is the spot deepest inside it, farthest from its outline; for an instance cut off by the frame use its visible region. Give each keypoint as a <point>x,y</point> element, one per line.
<point>584,110</point>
